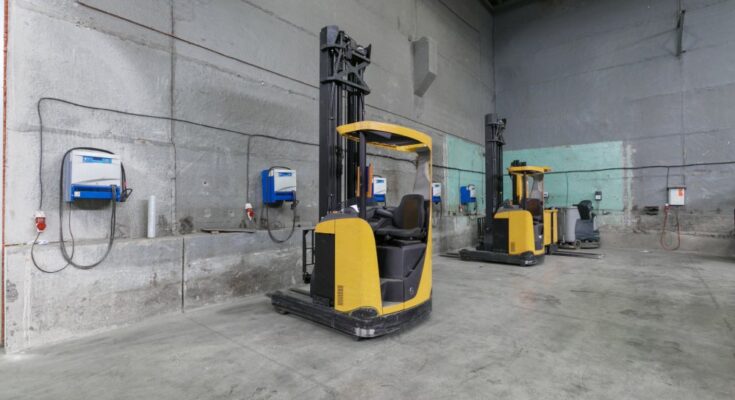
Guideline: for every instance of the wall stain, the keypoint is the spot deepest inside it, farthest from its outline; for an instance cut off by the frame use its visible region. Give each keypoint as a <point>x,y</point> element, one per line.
<point>727,324</point>
<point>11,292</point>
<point>643,315</point>
<point>655,346</point>
<point>576,389</point>
<point>186,225</point>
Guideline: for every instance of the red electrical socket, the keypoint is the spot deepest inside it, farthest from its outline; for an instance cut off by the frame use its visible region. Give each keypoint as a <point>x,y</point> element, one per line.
<point>249,211</point>
<point>40,221</point>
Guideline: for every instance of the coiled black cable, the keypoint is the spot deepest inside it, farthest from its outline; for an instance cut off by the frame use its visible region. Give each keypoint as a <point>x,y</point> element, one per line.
<point>268,224</point>
<point>68,257</point>
<point>113,214</point>
<point>179,120</point>
<point>268,220</point>
<point>664,243</point>
<point>440,212</point>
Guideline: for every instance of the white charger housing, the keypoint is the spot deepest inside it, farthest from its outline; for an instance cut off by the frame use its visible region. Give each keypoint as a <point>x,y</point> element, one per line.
<point>380,188</point>
<point>677,195</point>
<point>90,174</point>
<point>436,192</point>
<point>284,180</point>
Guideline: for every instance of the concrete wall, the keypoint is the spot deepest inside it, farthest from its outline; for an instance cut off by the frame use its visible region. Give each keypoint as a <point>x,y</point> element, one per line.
<point>238,67</point>
<point>2,181</point>
<point>604,74</point>
<point>467,158</point>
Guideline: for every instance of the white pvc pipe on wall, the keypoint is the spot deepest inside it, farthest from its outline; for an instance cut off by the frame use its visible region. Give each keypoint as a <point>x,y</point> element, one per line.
<point>152,217</point>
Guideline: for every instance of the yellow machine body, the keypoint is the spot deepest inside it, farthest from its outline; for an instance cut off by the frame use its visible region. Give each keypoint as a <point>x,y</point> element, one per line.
<point>356,280</point>
<point>521,224</point>
<point>551,227</point>
<point>370,265</point>
<point>372,277</point>
<point>356,277</point>
<point>520,232</point>
<point>521,190</point>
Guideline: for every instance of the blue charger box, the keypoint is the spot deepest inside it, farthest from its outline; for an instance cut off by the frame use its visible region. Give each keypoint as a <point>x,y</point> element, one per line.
<point>465,195</point>
<point>270,196</point>
<point>84,192</point>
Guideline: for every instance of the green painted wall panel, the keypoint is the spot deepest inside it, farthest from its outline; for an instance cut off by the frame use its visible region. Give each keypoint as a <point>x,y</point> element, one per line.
<point>564,189</point>
<point>567,189</point>
<point>469,156</point>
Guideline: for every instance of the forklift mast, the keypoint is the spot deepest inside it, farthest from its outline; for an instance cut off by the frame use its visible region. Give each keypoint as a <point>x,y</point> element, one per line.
<point>494,142</point>
<point>342,91</point>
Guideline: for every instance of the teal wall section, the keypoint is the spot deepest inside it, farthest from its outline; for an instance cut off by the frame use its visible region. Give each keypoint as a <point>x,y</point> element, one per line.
<point>469,156</point>
<point>567,189</point>
<point>564,189</point>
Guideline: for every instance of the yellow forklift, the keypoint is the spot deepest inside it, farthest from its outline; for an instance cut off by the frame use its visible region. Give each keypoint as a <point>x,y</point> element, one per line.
<point>371,266</point>
<point>519,231</point>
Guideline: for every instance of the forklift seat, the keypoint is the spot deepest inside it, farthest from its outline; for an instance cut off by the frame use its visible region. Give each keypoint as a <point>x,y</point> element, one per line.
<point>536,208</point>
<point>407,220</point>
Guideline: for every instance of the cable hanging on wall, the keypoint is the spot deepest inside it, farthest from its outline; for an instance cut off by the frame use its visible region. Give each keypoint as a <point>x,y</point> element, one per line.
<point>269,202</point>
<point>299,142</point>
<point>250,136</point>
<point>173,119</point>
<point>665,243</point>
<point>117,194</point>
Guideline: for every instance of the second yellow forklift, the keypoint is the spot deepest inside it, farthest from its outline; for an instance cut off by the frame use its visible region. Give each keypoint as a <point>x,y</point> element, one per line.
<point>519,231</point>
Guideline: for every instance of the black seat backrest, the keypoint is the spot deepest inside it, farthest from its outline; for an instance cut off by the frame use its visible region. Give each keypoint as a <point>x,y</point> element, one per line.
<point>585,209</point>
<point>410,213</point>
<point>536,208</point>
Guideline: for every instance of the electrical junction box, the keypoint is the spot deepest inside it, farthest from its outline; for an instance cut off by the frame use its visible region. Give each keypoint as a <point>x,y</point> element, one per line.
<point>677,195</point>
<point>467,194</point>
<point>89,175</point>
<point>598,195</point>
<point>436,192</point>
<point>380,188</point>
<point>279,184</point>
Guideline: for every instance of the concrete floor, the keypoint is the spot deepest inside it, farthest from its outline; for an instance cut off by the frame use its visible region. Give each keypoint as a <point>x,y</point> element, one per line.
<point>634,325</point>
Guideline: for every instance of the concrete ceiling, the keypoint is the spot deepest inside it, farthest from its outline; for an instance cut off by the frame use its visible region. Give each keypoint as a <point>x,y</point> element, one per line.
<point>496,6</point>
